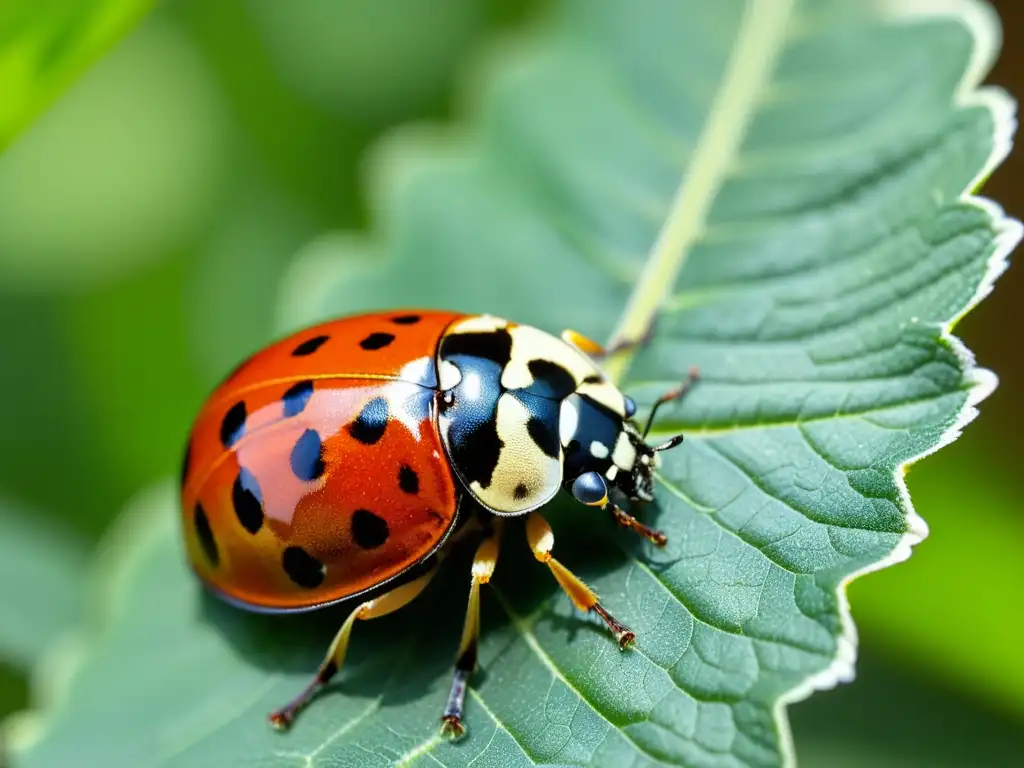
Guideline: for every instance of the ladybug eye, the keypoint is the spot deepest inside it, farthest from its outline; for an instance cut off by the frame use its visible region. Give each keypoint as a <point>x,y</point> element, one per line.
<point>447,399</point>
<point>630,407</point>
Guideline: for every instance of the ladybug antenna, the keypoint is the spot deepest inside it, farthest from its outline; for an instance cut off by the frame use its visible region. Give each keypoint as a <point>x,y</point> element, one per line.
<point>674,394</point>
<point>668,444</point>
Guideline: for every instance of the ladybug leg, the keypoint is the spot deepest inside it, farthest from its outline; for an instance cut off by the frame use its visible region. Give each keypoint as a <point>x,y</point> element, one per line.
<point>542,540</point>
<point>484,562</point>
<point>626,520</point>
<point>583,344</point>
<point>591,489</point>
<point>371,609</point>
<point>594,349</point>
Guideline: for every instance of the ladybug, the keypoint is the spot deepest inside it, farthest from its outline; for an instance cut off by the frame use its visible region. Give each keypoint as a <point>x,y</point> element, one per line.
<point>344,461</point>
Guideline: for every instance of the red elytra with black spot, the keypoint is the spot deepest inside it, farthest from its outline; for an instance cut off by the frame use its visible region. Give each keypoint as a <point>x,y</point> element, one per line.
<point>315,472</point>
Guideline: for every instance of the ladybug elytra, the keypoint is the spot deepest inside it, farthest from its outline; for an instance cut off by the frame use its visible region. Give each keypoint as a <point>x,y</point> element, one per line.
<point>345,460</point>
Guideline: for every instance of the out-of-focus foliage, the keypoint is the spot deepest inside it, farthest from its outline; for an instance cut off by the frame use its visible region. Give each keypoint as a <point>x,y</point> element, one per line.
<point>126,169</point>
<point>43,46</point>
<point>970,571</point>
<point>104,366</point>
<point>46,565</point>
<point>329,51</point>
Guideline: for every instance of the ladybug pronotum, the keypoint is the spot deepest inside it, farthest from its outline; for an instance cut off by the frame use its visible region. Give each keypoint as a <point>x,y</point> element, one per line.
<point>343,462</point>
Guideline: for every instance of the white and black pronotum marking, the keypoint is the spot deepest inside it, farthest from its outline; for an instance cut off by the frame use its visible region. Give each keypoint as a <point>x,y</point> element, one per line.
<point>523,413</point>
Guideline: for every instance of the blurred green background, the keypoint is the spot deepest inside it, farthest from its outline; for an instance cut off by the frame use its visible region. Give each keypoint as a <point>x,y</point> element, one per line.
<point>149,217</point>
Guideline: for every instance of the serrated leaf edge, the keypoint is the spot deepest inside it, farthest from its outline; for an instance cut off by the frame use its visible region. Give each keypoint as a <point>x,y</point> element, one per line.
<point>414,149</point>
<point>421,145</point>
<point>982,22</point>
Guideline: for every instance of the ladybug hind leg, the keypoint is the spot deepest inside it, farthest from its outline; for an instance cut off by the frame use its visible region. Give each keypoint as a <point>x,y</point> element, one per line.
<point>484,562</point>
<point>542,540</point>
<point>371,609</point>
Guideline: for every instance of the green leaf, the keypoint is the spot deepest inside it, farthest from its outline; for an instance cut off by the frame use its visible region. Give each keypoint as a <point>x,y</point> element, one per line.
<point>368,61</point>
<point>41,576</point>
<point>789,180</point>
<point>43,47</point>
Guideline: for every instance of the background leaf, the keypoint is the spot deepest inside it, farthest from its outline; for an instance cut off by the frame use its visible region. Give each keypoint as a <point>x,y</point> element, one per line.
<point>893,607</point>
<point>129,191</point>
<point>43,47</point>
<point>816,291</point>
<point>41,584</point>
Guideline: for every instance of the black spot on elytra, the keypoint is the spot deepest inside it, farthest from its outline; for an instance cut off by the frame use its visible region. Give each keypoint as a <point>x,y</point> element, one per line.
<point>520,492</point>
<point>368,530</point>
<point>205,535</point>
<point>296,397</point>
<point>408,480</point>
<point>302,568</point>
<point>495,346</point>
<point>376,341</point>
<point>550,380</point>
<point>309,346</point>
<point>247,500</point>
<point>371,422</point>
<point>545,435</point>
<point>593,379</point>
<point>405,319</point>
<point>186,462</point>
<point>232,427</point>
<point>307,456</point>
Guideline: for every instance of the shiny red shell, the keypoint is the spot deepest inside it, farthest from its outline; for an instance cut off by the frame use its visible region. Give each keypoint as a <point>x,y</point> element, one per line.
<point>315,471</point>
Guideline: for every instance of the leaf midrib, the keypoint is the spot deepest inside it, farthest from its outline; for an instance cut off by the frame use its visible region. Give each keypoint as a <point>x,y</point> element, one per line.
<point>751,62</point>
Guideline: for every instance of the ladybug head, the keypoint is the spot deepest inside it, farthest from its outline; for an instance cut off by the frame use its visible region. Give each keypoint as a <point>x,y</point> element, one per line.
<point>638,483</point>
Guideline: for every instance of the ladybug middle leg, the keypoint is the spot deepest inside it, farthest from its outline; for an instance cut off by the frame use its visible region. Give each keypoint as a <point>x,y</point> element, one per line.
<point>542,540</point>
<point>371,609</point>
<point>484,562</point>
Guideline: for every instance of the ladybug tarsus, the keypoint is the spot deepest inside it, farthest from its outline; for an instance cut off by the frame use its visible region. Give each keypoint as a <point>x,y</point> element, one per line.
<point>281,721</point>
<point>452,728</point>
<point>623,634</point>
<point>283,718</point>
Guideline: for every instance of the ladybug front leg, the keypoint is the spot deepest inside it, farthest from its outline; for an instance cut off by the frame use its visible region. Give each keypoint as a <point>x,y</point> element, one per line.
<point>542,540</point>
<point>591,489</point>
<point>371,609</point>
<point>484,562</point>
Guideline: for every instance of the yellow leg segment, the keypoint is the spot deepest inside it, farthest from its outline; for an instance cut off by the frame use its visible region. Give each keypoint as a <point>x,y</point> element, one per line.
<point>542,541</point>
<point>583,344</point>
<point>371,609</point>
<point>592,348</point>
<point>484,562</point>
